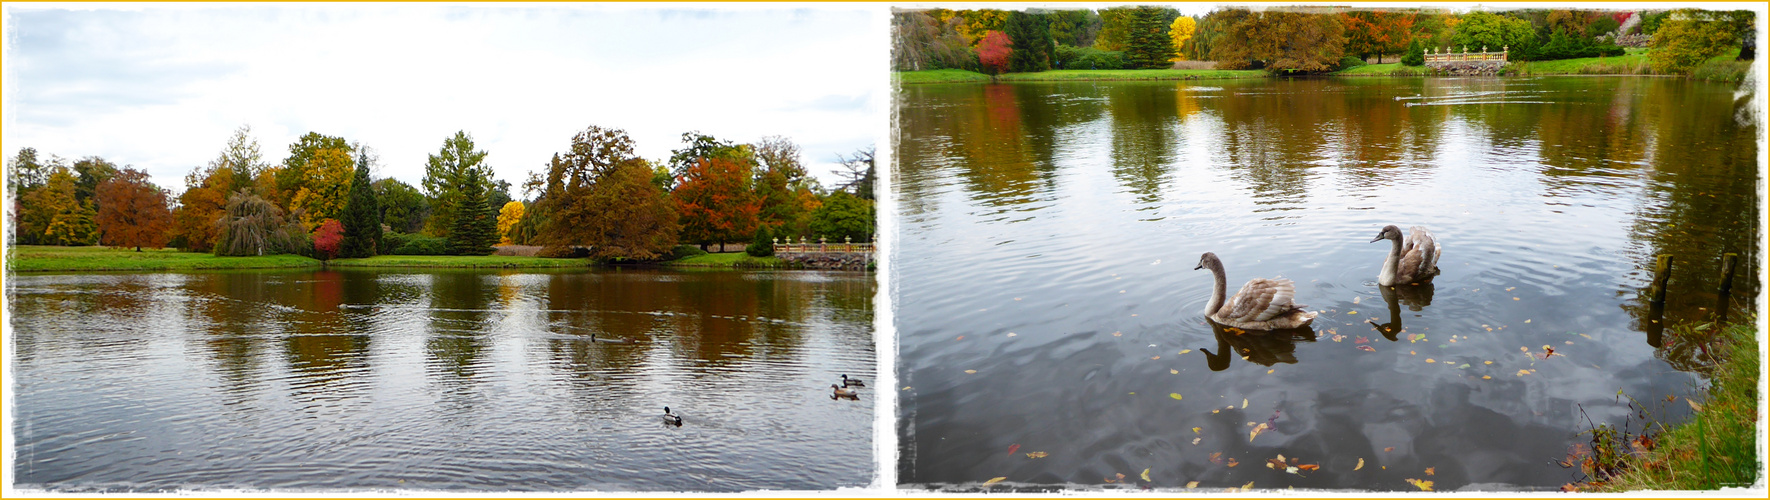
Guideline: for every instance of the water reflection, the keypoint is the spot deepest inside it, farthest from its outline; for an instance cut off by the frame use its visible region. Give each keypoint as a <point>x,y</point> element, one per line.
<point>1268,347</point>
<point>1415,296</point>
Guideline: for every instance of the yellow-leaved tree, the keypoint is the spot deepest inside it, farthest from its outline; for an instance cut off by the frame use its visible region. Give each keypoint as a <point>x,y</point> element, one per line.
<point>1181,31</point>
<point>507,217</point>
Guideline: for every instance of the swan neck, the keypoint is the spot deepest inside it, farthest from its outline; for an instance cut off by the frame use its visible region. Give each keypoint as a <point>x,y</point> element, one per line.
<point>1217,290</point>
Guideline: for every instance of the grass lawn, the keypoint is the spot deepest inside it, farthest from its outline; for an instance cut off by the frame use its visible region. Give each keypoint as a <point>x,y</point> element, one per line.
<point>1132,74</point>
<point>1632,63</point>
<point>52,258</point>
<point>1714,448</point>
<point>941,76</point>
<point>728,260</point>
<point>459,261</point>
<point>1385,69</point>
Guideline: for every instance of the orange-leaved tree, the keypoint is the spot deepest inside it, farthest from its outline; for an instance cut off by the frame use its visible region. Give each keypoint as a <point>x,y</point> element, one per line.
<point>507,218</point>
<point>1377,32</point>
<point>716,202</point>
<point>132,211</point>
<point>993,52</point>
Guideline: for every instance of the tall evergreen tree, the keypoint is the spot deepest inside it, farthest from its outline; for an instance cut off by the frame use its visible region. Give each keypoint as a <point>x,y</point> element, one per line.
<point>362,214</point>
<point>475,228</point>
<point>1033,44</point>
<point>1147,43</point>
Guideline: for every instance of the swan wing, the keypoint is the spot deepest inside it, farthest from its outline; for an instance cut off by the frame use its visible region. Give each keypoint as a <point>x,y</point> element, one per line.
<point>1263,299</point>
<point>1422,241</point>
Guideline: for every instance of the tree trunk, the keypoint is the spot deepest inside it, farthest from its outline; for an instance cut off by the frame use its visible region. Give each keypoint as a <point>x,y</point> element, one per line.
<point>1748,47</point>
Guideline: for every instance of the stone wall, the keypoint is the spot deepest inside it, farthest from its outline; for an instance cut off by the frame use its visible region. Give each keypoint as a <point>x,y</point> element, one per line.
<point>1468,67</point>
<point>829,260</point>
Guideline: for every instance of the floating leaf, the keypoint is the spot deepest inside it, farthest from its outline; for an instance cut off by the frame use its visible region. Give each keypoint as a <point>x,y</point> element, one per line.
<point>1429,471</point>
<point>1391,448</point>
<point>1037,454</point>
<point>1360,464</point>
<point>1311,467</point>
<point>1463,366</point>
<point>1012,334</point>
<point>1231,462</point>
<point>1338,338</point>
<point>1013,448</point>
<point>1367,348</point>
<point>1196,429</point>
<point>1174,395</point>
<point>1145,474</point>
<point>1430,360</point>
<point>1487,377</point>
<point>1523,372</point>
<point>1257,430</point>
<point>1487,362</point>
<point>970,371</point>
<point>1248,486</point>
<point>1192,484</point>
<point>1273,463</point>
<point>1361,340</point>
<point>1196,440</point>
<point>1216,457</point>
<point>1155,357</point>
<point>961,337</point>
<point>1244,402</point>
<point>1118,334</point>
<point>1176,372</point>
<point>1422,484</point>
<point>1351,312</point>
<point>1693,405</point>
<point>1184,351</point>
<point>994,480</point>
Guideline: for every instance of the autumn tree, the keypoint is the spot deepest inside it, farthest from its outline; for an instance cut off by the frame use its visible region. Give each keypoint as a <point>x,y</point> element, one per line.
<point>403,207</point>
<point>1031,36</point>
<point>1688,37</point>
<point>975,24</point>
<point>507,217</point>
<point>92,171</point>
<point>132,211</point>
<point>25,172</point>
<point>252,225</point>
<point>448,175</point>
<point>328,239</point>
<point>922,42</point>
<point>1282,42</point>
<point>1376,32</point>
<point>994,52</point>
<point>1179,32</point>
<point>698,146</point>
<point>361,225</point>
<point>297,173</point>
<point>1492,31</point>
<point>783,186</point>
<point>600,194</point>
<point>207,187</point>
<point>844,216</point>
<point>56,215</point>
<point>716,203</point>
<point>1147,44</point>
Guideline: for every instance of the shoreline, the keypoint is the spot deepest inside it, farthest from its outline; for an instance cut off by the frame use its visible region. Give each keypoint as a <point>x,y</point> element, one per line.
<point>1723,69</point>
<point>50,259</point>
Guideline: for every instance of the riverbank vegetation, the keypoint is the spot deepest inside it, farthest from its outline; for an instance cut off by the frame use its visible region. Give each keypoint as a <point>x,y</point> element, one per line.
<point>1715,448</point>
<point>28,258</point>
<point>595,199</point>
<point>1122,42</point>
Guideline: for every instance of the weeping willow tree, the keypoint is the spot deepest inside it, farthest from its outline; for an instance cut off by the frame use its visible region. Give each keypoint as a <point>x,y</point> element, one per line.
<point>251,225</point>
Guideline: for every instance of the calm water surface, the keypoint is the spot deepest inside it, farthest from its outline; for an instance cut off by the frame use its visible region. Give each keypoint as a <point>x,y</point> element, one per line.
<point>1048,303</point>
<point>440,380</point>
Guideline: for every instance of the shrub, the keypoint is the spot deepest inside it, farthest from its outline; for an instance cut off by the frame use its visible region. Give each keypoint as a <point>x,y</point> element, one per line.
<point>563,252</point>
<point>1603,26</point>
<point>1068,57</point>
<point>417,244</point>
<point>1351,62</point>
<point>762,245</point>
<point>685,251</point>
<point>1415,55</point>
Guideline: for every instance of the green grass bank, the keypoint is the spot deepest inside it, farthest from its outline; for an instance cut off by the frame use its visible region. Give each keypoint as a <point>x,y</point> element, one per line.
<point>728,260</point>
<point>29,258</point>
<point>459,262</point>
<point>1058,75</point>
<point>1714,448</point>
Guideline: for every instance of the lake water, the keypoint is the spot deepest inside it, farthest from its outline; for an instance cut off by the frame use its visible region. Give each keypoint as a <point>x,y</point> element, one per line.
<point>1047,302</point>
<point>475,381</point>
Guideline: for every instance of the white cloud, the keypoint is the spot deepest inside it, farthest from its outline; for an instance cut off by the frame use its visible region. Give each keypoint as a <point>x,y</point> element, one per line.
<point>162,87</point>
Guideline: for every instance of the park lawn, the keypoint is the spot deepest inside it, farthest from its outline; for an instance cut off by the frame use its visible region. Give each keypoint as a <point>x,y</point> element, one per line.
<point>1385,69</point>
<point>1132,74</point>
<point>1714,448</point>
<point>459,261</point>
<point>26,258</point>
<point>1632,63</point>
<point>727,260</point>
<point>941,76</point>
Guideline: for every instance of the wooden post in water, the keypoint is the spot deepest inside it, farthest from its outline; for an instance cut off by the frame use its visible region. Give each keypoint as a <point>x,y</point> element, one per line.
<point>1724,302</point>
<point>1656,301</point>
<point>1662,272</point>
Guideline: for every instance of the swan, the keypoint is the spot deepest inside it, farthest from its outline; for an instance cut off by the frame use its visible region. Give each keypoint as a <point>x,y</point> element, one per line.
<point>1262,304</point>
<point>852,382</point>
<point>672,419</point>
<point>843,393</point>
<point>1411,261</point>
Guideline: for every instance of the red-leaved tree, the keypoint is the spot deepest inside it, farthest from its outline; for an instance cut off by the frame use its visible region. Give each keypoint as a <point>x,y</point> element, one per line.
<point>994,50</point>
<point>716,202</point>
<point>132,211</point>
<point>327,239</point>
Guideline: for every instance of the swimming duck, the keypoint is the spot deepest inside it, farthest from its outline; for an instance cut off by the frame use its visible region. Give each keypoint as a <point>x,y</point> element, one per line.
<point>852,382</point>
<point>843,393</point>
<point>671,418</point>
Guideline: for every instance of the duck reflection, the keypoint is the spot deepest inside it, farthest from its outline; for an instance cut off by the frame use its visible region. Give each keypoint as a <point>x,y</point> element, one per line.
<point>1416,297</point>
<point>1266,347</point>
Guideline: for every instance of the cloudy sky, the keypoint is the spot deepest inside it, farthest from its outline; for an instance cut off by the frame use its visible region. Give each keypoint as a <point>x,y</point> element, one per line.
<point>162,87</point>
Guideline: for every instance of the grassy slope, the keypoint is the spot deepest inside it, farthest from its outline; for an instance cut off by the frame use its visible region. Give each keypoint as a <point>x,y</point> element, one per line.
<point>960,76</point>
<point>1385,69</point>
<point>1715,448</point>
<point>940,76</point>
<point>1633,63</point>
<point>51,258</point>
<point>729,259</point>
<point>459,261</point>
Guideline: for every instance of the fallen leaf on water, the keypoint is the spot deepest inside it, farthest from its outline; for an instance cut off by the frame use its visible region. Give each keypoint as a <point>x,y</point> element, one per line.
<point>1430,360</point>
<point>1586,336</point>
<point>1273,463</point>
<point>1361,340</point>
<point>1117,334</point>
<point>1527,321</point>
<point>1312,466</point>
<point>1270,371</point>
<point>1513,298</point>
<point>1176,372</point>
<point>961,337</point>
<point>1429,471</point>
<point>1013,448</point>
<point>1488,362</point>
<point>1523,349</point>
<point>1463,366</point>
<point>1693,405</point>
<point>1422,484</point>
<point>994,480</point>
<point>1145,474</point>
<point>1196,429</point>
<point>970,371</point>
<point>1196,440</point>
<point>1244,402</point>
<point>1231,462</point>
<point>1174,395</point>
<point>1184,351</point>
<point>1523,372</point>
<point>1351,312</point>
<point>1338,338</point>
<point>1216,457</point>
<point>1257,430</point>
<point>1360,464</point>
<point>906,387</point>
<point>1155,357</point>
<point>1391,448</point>
<point>1012,334</point>
<point>1192,484</point>
<point>1487,377</point>
<point>1570,342</point>
<point>1367,348</point>
<point>1037,454</point>
<point>1248,486</point>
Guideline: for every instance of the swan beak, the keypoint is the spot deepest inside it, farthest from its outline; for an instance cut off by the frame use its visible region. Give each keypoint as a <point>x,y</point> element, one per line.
<point>1377,239</point>
<point>1200,266</point>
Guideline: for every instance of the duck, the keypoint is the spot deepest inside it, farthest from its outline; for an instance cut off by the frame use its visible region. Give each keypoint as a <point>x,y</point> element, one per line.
<point>671,418</point>
<point>1411,261</point>
<point>1261,305</point>
<point>843,393</point>
<point>607,341</point>
<point>852,382</point>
